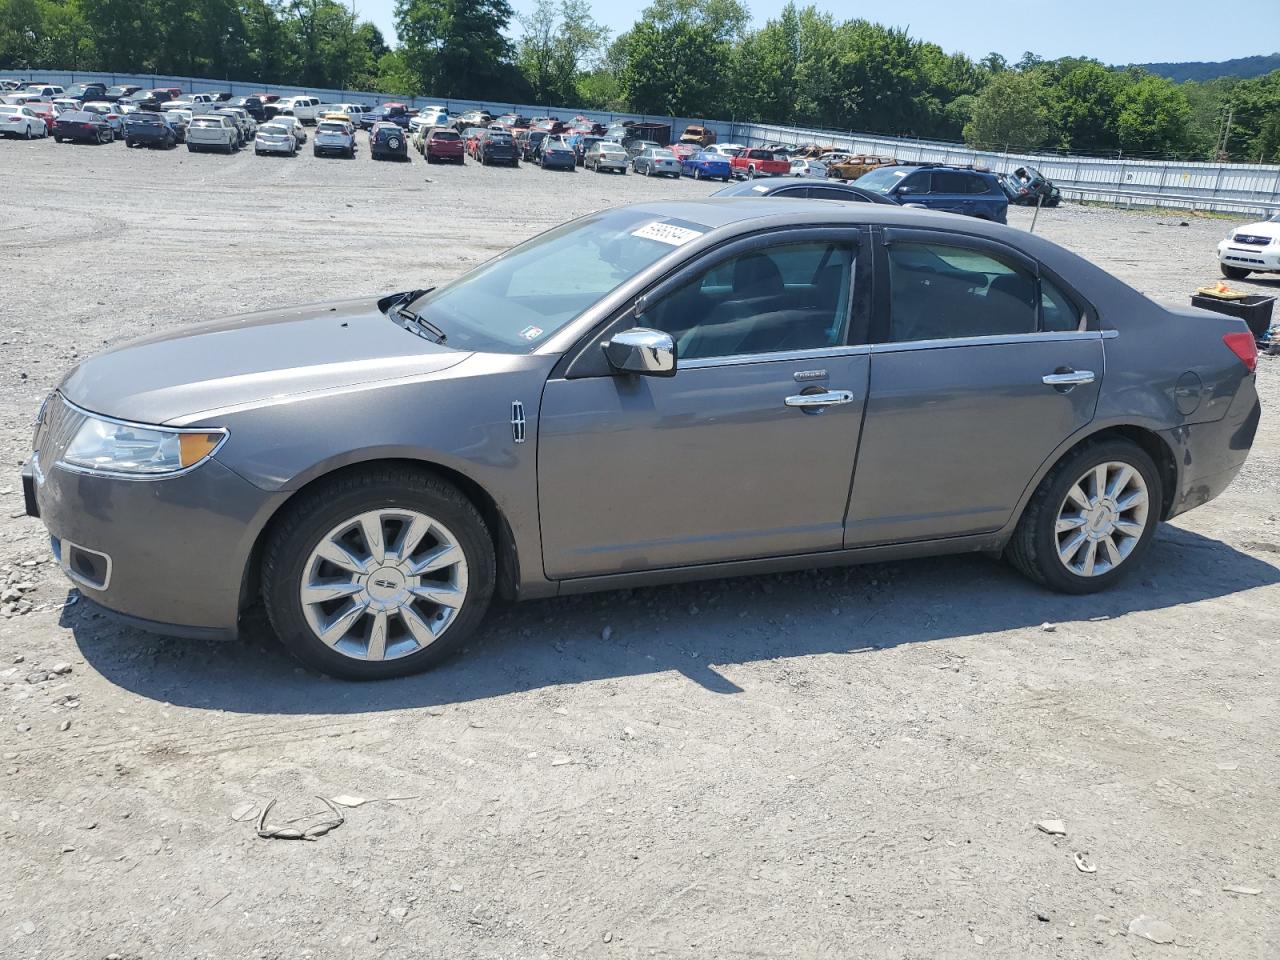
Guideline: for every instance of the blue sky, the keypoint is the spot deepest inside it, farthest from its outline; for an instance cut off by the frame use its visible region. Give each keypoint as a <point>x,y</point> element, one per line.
<point>1113,31</point>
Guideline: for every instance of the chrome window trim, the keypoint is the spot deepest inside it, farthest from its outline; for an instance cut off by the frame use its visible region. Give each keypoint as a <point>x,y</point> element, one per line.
<point>782,356</point>
<point>123,475</point>
<point>999,340</point>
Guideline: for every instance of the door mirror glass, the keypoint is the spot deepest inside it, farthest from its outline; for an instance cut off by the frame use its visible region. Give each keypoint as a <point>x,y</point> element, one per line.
<point>904,191</point>
<point>649,353</point>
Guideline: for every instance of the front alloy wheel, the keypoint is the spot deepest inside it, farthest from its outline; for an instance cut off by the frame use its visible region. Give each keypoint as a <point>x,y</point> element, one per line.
<point>378,574</point>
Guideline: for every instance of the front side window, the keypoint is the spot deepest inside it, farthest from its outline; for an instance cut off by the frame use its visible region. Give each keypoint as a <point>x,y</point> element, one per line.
<point>788,297</point>
<point>940,292</point>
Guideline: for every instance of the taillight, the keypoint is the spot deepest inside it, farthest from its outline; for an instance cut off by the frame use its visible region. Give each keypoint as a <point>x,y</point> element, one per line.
<point>1244,347</point>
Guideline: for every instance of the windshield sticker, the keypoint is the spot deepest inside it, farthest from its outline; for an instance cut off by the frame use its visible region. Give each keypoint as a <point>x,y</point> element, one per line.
<point>667,233</point>
<point>531,333</point>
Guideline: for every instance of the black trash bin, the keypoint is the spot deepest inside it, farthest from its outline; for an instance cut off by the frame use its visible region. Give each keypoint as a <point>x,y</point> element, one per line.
<point>1255,310</point>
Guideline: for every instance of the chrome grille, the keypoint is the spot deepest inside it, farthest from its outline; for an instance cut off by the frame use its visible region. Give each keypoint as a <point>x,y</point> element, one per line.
<point>57,426</point>
<point>1252,240</point>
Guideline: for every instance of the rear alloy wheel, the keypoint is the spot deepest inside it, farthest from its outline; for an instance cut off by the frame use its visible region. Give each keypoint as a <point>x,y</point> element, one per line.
<point>1233,273</point>
<point>378,574</point>
<point>697,173</point>
<point>1091,518</point>
<point>27,135</point>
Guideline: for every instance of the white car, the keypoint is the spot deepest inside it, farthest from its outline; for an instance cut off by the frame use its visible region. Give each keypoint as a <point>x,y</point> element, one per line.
<point>210,131</point>
<point>726,150</point>
<point>196,103</point>
<point>306,109</point>
<point>18,99</point>
<point>1253,248</point>
<point>44,91</point>
<point>19,121</point>
<point>275,138</point>
<point>293,125</point>
<point>109,112</point>
<point>801,167</point>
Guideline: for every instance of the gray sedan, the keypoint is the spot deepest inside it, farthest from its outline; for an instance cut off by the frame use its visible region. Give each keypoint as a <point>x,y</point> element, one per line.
<point>656,162</point>
<point>648,394</point>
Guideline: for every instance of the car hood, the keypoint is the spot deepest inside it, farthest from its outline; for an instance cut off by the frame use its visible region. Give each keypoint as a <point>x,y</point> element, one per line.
<point>250,358</point>
<point>1263,228</point>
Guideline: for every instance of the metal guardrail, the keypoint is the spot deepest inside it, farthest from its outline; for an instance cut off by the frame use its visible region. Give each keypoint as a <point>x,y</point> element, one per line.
<point>1132,198</point>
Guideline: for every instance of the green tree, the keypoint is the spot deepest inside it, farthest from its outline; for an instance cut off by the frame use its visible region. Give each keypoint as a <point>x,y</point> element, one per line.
<point>557,43</point>
<point>1153,116</point>
<point>1011,112</point>
<point>458,48</point>
<point>678,54</point>
<point>763,82</point>
<point>1082,104</point>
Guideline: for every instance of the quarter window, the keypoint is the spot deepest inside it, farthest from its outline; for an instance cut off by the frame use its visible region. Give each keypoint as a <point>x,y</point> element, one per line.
<point>789,297</point>
<point>1057,311</point>
<point>940,292</point>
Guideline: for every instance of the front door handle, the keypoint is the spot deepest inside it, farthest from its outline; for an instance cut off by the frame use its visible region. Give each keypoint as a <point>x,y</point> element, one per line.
<point>1068,378</point>
<point>817,402</point>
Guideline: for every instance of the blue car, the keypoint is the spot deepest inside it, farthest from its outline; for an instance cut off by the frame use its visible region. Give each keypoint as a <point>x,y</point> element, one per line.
<point>962,190</point>
<point>706,166</point>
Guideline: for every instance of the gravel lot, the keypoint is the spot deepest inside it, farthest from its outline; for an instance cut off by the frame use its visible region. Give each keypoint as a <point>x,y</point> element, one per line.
<point>842,763</point>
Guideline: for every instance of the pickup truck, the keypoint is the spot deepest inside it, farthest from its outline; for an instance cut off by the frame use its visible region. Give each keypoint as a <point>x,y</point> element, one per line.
<point>306,109</point>
<point>195,102</point>
<point>754,162</point>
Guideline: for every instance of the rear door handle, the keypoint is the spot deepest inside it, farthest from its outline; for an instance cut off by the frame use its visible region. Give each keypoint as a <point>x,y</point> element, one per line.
<point>1068,378</point>
<point>817,402</point>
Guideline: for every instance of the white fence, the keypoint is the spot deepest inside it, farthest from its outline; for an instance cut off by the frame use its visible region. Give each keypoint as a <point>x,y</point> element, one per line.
<point>1205,186</point>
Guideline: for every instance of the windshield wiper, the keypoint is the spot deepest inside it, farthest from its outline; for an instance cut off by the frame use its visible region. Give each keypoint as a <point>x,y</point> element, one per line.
<point>404,313</point>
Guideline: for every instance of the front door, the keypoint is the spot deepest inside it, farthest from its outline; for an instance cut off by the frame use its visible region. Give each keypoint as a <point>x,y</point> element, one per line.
<point>726,460</point>
<point>984,370</point>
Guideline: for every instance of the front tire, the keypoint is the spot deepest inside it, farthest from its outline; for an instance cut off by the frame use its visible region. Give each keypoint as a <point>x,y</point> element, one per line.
<point>339,576</point>
<point>1233,273</point>
<point>1091,520</point>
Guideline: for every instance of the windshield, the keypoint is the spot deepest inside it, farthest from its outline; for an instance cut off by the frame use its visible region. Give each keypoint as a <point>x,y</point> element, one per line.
<point>273,130</point>
<point>515,302</point>
<point>332,128</point>
<point>882,180</point>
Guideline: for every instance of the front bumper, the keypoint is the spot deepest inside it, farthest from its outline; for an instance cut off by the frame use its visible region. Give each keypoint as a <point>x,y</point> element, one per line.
<point>171,552</point>
<point>1263,259</point>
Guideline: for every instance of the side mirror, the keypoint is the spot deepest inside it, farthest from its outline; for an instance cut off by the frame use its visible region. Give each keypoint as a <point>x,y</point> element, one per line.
<point>649,353</point>
<point>904,191</point>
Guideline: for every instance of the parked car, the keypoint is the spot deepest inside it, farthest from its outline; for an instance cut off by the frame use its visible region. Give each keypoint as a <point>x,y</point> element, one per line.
<point>44,91</point>
<point>656,162</point>
<point>429,117</point>
<point>45,111</point>
<point>442,143</point>
<point>213,131</point>
<point>179,120</point>
<point>758,162</point>
<point>294,126</point>
<point>852,166</point>
<point>1253,248</point>
<point>581,143</point>
<point>808,167</point>
<point>396,113</point>
<point>245,124</point>
<point>972,193</point>
<point>557,152</point>
<point>698,135</point>
<point>85,92</point>
<point>334,137</point>
<point>474,118</point>
<point>306,109</point>
<point>606,155</point>
<point>21,121</point>
<point>497,146</point>
<point>387,139</point>
<point>471,140</point>
<point>82,125</point>
<point>637,147</point>
<point>529,143</point>
<point>1032,188</point>
<point>705,165</point>
<point>195,102</point>
<point>148,129</point>
<point>726,150</point>
<point>112,115</point>
<point>119,92</point>
<point>253,105</point>
<point>804,190</point>
<point>536,446</point>
<point>151,99</point>
<point>275,138</point>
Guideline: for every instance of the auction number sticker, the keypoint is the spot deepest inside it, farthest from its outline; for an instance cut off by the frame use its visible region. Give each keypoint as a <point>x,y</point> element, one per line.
<point>667,233</point>
<point>531,333</point>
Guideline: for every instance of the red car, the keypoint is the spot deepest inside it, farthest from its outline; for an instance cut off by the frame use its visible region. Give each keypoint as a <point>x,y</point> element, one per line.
<point>45,112</point>
<point>443,143</point>
<point>754,162</point>
<point>471,139</point>
<point>684,151</point>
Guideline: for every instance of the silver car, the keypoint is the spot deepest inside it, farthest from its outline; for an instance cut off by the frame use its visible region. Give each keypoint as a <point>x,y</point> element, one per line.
<point>657,162</point>
<point>334,136</point>
<point>651,393</point>
<point>606,155</point>
<point>275,138</point>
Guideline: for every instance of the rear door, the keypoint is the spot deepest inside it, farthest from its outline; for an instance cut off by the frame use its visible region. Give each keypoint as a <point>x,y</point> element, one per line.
<point>984,364</point>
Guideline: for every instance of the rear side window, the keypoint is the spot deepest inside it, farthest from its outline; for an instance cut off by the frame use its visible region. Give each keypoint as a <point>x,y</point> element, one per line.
<point>948,181</point>
<point>829,193</point>
<point>940,292</point>
<point>977,184</point>
<point>1058,312</point>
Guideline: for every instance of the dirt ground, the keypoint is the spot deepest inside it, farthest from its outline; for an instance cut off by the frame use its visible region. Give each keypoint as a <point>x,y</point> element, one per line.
<point>835,764</point>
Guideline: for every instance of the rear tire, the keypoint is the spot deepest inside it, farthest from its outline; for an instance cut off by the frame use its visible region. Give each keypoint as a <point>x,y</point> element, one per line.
<point>289,556</point>
<point>1233,273</point>
<point>1035,549</point>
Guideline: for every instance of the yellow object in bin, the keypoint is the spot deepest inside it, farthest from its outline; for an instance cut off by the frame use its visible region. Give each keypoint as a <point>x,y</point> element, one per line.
<point>1222,292</point>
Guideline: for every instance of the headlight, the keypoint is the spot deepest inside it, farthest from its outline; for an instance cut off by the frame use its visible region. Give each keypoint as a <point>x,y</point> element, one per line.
<point>131,449</point>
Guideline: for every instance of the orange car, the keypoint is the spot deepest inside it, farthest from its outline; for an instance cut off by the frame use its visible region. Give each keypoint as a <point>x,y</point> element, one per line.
<point>851,168</point>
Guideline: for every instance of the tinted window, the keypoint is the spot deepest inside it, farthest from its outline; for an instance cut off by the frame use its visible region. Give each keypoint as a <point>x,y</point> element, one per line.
<point>830,193</point>
<point>919,182</point>
<point>949,181</point>
<point>789,297</point>
<point>976,183</point>
<point>1057,312</point>
<point>940,292</point>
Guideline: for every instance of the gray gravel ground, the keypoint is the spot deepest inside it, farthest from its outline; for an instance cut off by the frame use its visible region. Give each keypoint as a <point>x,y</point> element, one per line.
<point>842,763</point>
